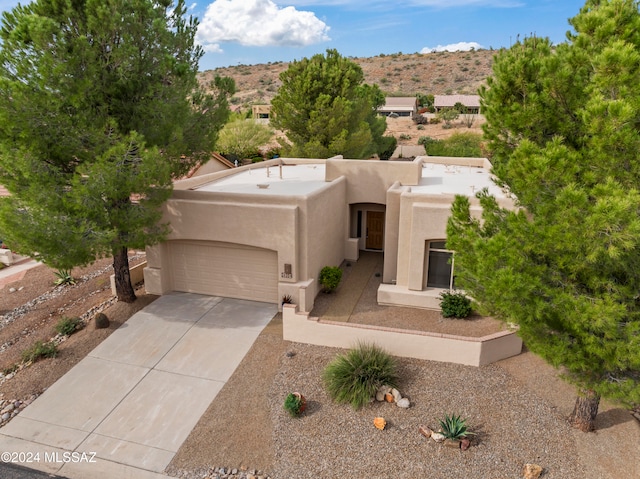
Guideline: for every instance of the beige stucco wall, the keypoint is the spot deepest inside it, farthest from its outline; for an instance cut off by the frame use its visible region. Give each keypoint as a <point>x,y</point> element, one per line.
<point>369,180</point>
<point>324,229</point>
<point>307,232</point>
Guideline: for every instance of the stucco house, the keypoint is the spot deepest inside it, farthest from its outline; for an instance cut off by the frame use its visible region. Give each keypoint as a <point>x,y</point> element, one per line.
<point>472,102</point>
<point>265,230</point>
<point>400,105</point>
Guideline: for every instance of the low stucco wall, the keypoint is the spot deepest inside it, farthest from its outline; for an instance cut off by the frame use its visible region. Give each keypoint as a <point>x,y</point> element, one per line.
<point>394,295</point>
<point>299,327</point>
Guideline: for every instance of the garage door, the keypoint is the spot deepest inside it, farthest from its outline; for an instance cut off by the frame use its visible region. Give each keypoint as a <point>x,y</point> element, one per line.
<point>224,269</point>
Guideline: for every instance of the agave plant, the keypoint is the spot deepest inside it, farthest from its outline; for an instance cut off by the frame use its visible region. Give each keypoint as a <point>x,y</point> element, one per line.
<point>453,427</point>
<point>64,277</point>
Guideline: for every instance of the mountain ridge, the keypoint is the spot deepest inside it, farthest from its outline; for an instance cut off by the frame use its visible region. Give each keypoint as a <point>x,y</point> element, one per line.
<point>397,74</point>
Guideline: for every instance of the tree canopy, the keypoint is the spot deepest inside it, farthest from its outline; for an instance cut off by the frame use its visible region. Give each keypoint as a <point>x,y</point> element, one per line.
<point>563,129</point>
<point>327,109</point>
<point>100,110</point>
<point>243,137</point>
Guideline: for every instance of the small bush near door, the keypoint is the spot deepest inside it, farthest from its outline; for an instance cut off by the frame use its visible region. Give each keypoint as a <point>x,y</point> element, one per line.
<point>330,277</point>
<point>455,305</point>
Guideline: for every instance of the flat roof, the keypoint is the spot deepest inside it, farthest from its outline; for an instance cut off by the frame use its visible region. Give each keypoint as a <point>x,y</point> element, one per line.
<point>296,180</point>
<point>456,180</point>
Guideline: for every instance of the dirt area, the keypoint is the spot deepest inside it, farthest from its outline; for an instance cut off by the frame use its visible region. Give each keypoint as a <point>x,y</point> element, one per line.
<point>36,320</point>
<point>407,132</point>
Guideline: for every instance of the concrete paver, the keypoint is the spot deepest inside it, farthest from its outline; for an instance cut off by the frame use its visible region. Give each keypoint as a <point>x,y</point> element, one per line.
<point>135,398</point>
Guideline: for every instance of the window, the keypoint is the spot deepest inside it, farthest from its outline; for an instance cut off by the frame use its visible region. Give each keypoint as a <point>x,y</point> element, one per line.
<point>440,266</point>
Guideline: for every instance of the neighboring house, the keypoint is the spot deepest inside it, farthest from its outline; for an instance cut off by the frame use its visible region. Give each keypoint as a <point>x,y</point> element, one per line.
<point>472,102</point>
<point>215,164</point>
<point>261,112</point>
<point>400,105</point>
<point>264,231</point>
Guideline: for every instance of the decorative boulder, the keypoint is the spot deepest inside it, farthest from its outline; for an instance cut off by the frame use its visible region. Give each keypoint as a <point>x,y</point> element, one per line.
<point>404,403</point>
<point>425,431</point>
<point>436,436</point>
<point>101,321</point>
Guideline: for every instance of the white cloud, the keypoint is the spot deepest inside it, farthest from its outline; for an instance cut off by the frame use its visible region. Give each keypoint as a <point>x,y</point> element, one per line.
<point>258,23</point>
<point>453,47</point>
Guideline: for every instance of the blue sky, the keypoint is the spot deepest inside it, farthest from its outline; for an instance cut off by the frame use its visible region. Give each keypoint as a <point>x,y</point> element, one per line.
<point>259,31</point>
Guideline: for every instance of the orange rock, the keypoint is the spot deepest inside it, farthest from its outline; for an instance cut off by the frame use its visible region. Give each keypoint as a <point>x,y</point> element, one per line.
<point>388,397</point>
<point>531,471</point>
<point>380,423</point>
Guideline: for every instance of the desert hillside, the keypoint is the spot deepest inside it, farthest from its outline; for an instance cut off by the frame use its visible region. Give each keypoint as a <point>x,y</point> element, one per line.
<point>396,74</point>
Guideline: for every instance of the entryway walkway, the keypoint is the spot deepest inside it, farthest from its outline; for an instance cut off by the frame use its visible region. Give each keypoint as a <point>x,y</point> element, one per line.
<point>347,296</point>
<point>125,409</point>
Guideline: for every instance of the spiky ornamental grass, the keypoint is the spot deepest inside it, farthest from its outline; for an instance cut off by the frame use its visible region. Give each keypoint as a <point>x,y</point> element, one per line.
<point>354,377</point>
<point>454,427</point>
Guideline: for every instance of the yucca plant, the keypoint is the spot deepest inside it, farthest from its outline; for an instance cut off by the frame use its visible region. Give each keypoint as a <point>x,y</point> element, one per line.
<point>355,377</point>
<point>64,277</point>
<point>453,427</point>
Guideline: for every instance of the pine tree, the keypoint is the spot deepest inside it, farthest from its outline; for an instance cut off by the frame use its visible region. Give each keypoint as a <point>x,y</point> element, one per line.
<point>563,127</point>
<point>327,109</point>
<point>100,110</point>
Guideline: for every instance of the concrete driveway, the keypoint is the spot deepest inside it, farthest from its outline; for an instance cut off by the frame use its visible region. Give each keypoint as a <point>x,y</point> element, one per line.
<point>125,409</point>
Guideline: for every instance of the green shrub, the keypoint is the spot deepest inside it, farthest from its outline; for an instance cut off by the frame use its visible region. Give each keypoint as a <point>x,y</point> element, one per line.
<point>330,277</point>
<point>355,377</point>
<point>68,326</point>
<point>294,404</point>
<point>465,144</point>
<point>453,427</point>
<point>387,147</point>
<point>38,351</point>
<point>455,305</point>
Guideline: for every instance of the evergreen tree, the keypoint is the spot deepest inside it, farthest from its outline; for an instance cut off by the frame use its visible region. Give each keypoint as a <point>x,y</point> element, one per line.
<point>327,109</point>
<point>563,127</point>
<point>99,110</point>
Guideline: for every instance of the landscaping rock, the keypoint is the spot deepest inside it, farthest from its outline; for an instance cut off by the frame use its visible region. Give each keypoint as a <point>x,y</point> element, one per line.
<point>403,403</point>
<point>452,443</point>
<point>101,321</point>
<point>381,392</point>
<point>425,431</point>
<point>436,436</point>
<point>396,395</point>
<point>531,471</point>
<point>465,444</point>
